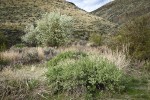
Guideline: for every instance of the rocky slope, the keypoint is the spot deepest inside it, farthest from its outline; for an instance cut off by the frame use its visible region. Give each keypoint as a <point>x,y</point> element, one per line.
<point>121,11</point>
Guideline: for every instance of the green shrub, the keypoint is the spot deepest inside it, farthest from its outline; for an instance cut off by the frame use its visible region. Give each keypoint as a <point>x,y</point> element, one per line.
<point>2,42</point>
<point>20,45</point>
<point>52,30</point>
<point>136,35</point>
<point>96,39</point>
<point>3,62</point>
<point>66,55</point>
<point>147,66</point>
<point>87,74</point>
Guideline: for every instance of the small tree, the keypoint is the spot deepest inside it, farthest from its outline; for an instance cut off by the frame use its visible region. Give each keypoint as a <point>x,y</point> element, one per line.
<point>52,30</point>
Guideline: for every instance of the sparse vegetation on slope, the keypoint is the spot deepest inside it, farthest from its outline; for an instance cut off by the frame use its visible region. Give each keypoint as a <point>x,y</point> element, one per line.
<point>16,13</point>
<point>121,11</point>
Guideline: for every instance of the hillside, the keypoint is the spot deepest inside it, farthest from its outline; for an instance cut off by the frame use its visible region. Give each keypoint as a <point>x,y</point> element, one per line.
<point>66,55</point>
<point>17,13</point>
<point>120,11</point>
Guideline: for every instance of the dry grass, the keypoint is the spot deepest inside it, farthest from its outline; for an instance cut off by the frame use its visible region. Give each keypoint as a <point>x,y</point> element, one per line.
<point>35,50</point>
<point>26,72</point>
<point>40,52</point>
<point>10,56</point>
<point>118,57</point>
<point>20,81</point>
<point>27,55</point>
<point>24,83</point>
<point>27,82</point>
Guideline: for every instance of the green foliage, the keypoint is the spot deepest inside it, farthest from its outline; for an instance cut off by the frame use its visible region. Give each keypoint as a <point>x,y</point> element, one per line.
<point>3,41</point>
<point>52,30</point>
<point>83,75</point>
<point>66,55</point>
<point>136,35</point>
<point>96,39</point>
<point>3,62</point>
<point>20,45</point>
<point>32,84</point>
<point>147,66</point>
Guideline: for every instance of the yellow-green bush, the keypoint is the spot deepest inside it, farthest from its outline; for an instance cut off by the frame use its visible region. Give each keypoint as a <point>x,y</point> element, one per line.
<point>136,35</point>
<point>96,39</point>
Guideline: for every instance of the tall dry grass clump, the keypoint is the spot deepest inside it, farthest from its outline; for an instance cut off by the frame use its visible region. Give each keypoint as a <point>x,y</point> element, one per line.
<point>26,55</point>
<point>118,57</point>
<point>22,83</point>
<point>10,56</point>
<point>40,51</point>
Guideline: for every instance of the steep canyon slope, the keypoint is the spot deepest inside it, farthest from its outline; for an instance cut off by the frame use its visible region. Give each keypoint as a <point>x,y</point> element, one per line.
<point>121,11</point>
